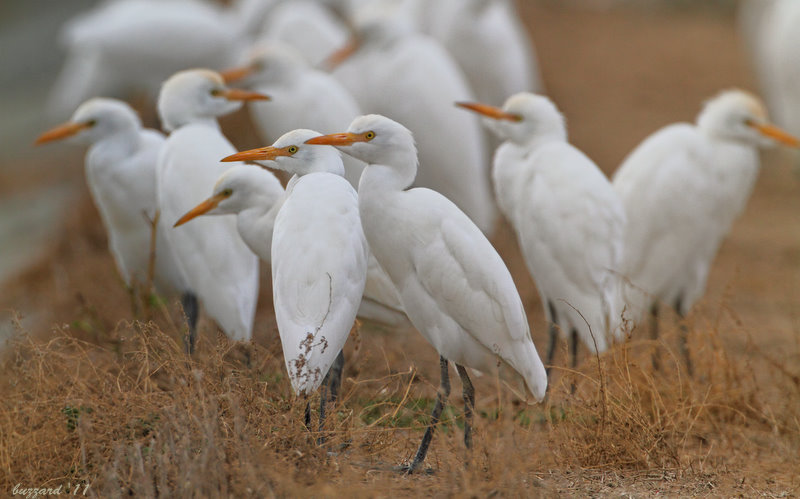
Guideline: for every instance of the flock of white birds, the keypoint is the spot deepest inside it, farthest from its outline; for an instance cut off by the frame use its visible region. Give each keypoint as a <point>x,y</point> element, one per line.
<point>361,101</point>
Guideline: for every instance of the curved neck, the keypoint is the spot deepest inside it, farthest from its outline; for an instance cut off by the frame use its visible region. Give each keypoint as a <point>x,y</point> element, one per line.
<point>123,142</point>
<point>382,178</point>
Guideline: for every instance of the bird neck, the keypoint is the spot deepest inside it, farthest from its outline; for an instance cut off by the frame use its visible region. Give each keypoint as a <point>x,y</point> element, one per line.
<point>255,224</point>
<point>122,142</point>
<point>387,178</point>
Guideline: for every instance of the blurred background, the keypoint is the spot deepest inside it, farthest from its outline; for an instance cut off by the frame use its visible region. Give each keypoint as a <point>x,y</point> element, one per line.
<point>618,69</point>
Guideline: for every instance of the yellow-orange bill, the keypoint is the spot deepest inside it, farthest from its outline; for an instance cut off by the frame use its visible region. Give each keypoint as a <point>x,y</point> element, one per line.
<point>62,132</point>
<point>201,209</point>
<point>235,74</point>
<point>243,95</point>
<point>341,55</point>
<point>489,111</point>
<point>260,154</point>
<point>336,139</point>
<point>776,133</point>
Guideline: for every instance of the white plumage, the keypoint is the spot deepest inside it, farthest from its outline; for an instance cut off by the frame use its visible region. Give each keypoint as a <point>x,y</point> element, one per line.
<point>135,44</point>
<point>308,26</point>
<point>569,220</point>
<point>455,288</point>
<point>218,266</point>
<point>319,257</point>
<point>121,174</point>
<point>410,77</point>
<point>303,97</point>
<point>255,196</point>
<point>683,188</point>
<point>489,43</point>
<point>772,29</point>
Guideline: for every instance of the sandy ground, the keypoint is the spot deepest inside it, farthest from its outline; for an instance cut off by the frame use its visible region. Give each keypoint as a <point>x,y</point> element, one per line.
<point>618,75</point>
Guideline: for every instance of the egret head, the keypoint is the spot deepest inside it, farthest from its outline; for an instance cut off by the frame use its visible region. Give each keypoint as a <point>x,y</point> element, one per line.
<point>240,188</point>
<point>269,63</point>
<point>740,116</point>
<point>198,94</point>
<point>374,139</point>
<point>523,118</point>
<point>95,120</point>
<point>291,154</point>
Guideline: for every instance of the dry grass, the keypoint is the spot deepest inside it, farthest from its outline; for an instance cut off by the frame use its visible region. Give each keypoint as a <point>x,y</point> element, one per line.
<point>125,411</point>
<point>94,394</point>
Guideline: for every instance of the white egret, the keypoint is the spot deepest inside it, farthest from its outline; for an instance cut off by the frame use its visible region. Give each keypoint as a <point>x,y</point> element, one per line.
<point>255,196</point>
<point>217,265</point>
<point>453,285</point>
<point>319,260</point>
<point>302,97</point>
<point>775,39</point>
<point>410,77</point>
<point>308,26</point>
<point>682,188</point>
<point>121,174</point>
<point>569,220</point>
<point>134,45</point>
<point>488,41</point>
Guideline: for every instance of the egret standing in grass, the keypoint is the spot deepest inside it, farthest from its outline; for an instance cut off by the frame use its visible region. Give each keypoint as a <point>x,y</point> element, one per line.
<point>453,285</point>
<point>121,174</point>
<point>568,219</point>
<point>216,263</point>
<point>683,187</point>
<point>319,260</point>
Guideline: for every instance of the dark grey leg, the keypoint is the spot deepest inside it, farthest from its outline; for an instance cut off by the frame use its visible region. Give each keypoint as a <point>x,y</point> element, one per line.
<point>441,400</point>
<point>553,337</point>
<point>332,383</point>
<point>683,337</point>
<point>469,404</point>
<point>654,334</point>
<point>191,309</point>
<point>573,347</point>
<point>307,416</point>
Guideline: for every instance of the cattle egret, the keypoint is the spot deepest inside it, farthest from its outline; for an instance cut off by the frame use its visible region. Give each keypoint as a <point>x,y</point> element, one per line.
<point>569,220</point>
<point>217,265</point>
<point>453,285</point>
<point>683,188</point>
<point>319,259</point>
<point>121,173</point>
<point>303,97</point>
<point>410,77</point>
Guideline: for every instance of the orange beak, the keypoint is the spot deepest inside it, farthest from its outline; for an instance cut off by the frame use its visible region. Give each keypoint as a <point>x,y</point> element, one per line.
<point>235,74</point>
<point>62,132</point>
<point>489,111</point>
<point>242,95</point>
<point>777,134</point>
<point>337,139</point>
<point>260,154</point>
<point>338,57</point>
<point>201,209</point>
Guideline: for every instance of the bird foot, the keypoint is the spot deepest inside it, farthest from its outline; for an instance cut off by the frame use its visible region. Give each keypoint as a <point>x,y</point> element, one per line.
<point>409,469</point>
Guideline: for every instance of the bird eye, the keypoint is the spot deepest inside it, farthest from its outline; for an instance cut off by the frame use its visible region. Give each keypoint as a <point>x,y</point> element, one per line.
<point>227,193</point>
<point>216,92</point>
<point>291,149</point>
<point>369,135</point>
<point>91,123</point>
